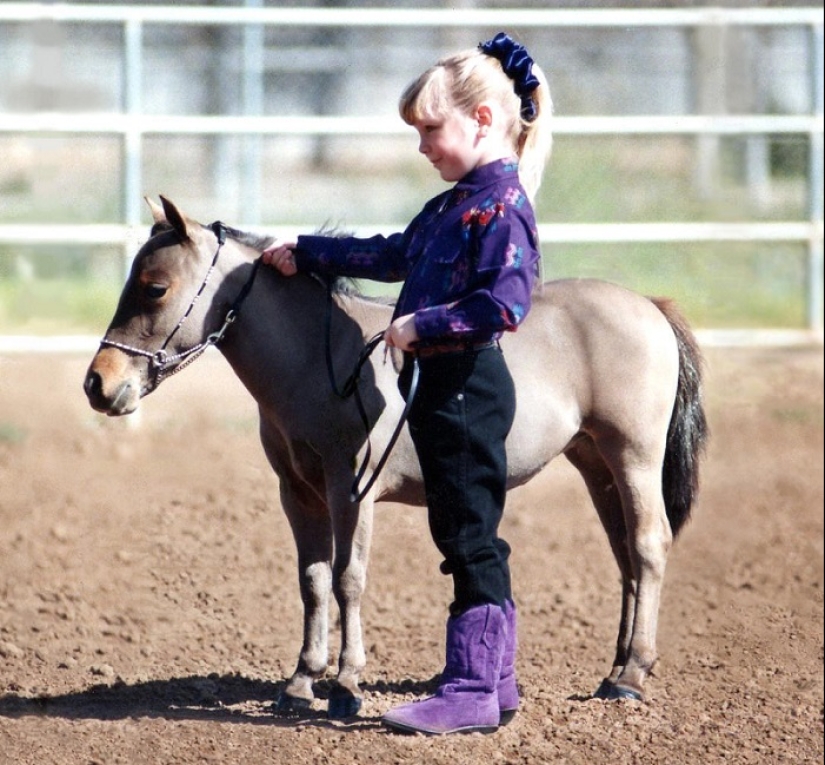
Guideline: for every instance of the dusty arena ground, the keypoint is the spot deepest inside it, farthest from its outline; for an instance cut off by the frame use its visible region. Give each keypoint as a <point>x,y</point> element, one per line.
<point>149,609</point>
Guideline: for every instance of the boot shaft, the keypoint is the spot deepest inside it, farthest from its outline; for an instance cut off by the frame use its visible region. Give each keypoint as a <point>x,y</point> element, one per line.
<point>508,695</point>
<point>475,648</point>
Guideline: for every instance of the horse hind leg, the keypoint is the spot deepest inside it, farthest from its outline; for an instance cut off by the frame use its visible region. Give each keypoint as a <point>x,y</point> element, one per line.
<point>604,493</point>
<point>636,467</point>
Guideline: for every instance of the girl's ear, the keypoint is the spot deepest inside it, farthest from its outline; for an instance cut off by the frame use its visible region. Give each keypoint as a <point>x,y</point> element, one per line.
<point>484,117</point>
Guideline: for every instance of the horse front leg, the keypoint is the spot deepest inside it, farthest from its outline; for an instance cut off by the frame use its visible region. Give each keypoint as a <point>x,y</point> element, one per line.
<point>352,524</point>
<point>312,531</point>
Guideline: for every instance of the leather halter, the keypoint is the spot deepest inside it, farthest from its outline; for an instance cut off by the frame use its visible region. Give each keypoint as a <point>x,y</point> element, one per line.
<point>161,363</point>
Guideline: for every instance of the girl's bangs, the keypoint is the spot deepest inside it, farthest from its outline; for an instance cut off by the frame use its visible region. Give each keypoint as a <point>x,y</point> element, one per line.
<point>426,98</point>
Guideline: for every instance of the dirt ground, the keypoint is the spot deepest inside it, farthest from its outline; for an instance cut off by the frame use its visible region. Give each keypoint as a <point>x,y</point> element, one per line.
<point>149,608</point>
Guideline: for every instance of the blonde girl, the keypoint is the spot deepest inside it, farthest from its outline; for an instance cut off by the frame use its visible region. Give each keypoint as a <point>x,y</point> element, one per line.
<point>469,262</point>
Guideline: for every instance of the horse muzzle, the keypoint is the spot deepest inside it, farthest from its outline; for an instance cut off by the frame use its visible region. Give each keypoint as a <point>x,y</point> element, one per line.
<point>111,386</point>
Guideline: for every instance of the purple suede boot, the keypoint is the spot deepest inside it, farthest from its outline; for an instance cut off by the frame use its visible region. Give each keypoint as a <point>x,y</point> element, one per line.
<point>507,689</point>
<point>467,699</point>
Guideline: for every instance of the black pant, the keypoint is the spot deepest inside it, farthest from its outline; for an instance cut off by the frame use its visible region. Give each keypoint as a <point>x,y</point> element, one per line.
<point>459,420</point>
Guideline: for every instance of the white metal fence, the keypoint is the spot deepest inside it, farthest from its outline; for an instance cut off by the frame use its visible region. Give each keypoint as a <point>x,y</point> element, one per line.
<point>132,125</point>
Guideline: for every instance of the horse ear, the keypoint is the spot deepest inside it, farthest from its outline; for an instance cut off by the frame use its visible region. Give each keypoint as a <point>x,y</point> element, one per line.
<point>157,211</point>
<point>176,218</point>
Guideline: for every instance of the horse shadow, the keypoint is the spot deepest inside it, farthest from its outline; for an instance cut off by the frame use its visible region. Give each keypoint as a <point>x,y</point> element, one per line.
<point>209,698</point>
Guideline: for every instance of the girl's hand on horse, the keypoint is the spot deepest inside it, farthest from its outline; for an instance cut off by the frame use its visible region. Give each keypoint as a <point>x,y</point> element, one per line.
<point>402,333</point>
<point>281,256</point>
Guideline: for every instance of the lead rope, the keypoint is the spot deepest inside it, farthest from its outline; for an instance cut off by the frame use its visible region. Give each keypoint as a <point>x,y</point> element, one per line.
<point>350,388</point>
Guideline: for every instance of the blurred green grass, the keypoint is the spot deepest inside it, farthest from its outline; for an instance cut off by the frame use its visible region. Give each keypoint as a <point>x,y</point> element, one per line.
<point>594,179</point>
<point>731,286</point>
<point>717,285</point>
<point>58,306</point>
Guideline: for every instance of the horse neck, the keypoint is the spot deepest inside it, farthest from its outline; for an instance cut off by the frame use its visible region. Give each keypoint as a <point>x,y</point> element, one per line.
<point>277,345</point>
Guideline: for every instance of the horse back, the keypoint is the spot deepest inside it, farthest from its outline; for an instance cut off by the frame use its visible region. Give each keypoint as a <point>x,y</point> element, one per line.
<point>591,355</point>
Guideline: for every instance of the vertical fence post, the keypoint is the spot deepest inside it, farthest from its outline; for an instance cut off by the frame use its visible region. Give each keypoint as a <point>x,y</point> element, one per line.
<point>132,136</point>
<point>132,150</point>
<point>253,99</point>
<point>710,66</point>
<point>815,192</point>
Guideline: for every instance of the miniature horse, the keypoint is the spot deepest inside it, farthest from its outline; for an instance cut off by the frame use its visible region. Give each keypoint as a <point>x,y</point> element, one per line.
<point>608,378</point>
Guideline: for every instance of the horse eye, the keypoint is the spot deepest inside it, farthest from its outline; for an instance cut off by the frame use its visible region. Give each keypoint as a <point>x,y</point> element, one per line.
<point>155,291</point>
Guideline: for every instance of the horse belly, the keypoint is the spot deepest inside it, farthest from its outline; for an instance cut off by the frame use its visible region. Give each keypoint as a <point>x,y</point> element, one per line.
<point>545,424</point>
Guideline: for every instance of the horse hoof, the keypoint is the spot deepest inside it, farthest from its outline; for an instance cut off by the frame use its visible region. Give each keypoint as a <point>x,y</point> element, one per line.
<point>291,706</point>
<point>603,691</point>
<point>343,704</point>
<point>609,691</point>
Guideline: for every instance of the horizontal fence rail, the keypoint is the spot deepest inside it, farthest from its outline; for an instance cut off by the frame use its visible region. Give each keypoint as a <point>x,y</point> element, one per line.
<point>118,123</point>
<point>132,125</point>
<point>412,17</point>
<point>123,234</point>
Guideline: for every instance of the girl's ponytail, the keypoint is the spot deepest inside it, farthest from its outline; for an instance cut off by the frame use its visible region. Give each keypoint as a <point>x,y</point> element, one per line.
<point>536,140</point>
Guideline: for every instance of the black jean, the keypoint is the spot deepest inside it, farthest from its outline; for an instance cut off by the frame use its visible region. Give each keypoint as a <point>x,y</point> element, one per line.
<point>459,420</point>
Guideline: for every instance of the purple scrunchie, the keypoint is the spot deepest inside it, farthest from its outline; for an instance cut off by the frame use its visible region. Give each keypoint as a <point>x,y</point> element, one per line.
<point>518,66</point>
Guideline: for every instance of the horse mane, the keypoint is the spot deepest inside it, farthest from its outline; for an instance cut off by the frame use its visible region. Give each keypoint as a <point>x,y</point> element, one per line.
<point>344,286</point>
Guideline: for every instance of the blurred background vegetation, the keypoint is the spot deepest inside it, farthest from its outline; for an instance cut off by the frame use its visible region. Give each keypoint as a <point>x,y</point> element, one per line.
<point>364,181</point>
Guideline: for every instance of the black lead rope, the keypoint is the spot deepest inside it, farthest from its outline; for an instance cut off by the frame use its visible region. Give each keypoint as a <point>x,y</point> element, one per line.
<point>351,388</point>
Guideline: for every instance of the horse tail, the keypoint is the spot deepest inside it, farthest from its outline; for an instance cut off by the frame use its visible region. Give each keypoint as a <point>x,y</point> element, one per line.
<point>688,431</point>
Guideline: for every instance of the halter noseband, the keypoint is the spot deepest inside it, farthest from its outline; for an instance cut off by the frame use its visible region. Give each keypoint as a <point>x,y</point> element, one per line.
<point>160,361</point>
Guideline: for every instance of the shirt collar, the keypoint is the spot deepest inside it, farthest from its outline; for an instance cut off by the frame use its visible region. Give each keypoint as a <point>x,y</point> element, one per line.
<point>486,175</point>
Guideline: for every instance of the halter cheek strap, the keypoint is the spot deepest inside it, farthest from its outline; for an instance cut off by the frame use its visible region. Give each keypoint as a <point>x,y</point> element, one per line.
<point>160,362</point>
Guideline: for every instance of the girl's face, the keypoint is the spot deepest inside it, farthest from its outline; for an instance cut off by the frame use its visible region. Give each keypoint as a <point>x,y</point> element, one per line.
<point>450,143</point>
<point>457,143</point>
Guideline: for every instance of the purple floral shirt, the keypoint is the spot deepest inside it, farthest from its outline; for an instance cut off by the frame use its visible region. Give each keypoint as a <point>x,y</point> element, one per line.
<point>468,260</point>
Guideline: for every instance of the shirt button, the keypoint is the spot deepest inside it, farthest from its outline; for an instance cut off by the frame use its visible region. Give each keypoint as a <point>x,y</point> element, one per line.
<point>460,397</point>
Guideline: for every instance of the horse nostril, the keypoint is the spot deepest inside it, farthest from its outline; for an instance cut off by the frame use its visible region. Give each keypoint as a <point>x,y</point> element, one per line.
<point>92,385</point>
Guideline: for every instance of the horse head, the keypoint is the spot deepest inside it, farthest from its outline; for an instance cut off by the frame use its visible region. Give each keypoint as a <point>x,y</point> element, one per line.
<point>163,318</point>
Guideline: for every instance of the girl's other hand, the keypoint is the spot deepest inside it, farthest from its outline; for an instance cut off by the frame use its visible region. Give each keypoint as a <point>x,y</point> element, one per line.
<point>401,333</point>
<point>281,256</point>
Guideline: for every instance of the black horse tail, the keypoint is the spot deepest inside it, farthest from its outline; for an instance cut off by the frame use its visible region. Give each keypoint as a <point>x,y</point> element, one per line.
<point>688,431</point>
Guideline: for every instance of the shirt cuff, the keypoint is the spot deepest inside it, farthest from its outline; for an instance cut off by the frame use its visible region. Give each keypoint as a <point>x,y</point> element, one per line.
<point>312,252</point>
<point>431,322</point>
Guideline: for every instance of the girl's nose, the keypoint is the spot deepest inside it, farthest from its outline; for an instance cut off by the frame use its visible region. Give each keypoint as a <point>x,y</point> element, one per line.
<point>423,146</point>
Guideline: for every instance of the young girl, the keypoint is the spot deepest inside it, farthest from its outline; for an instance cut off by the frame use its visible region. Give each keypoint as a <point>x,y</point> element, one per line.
<point>469,262</point>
